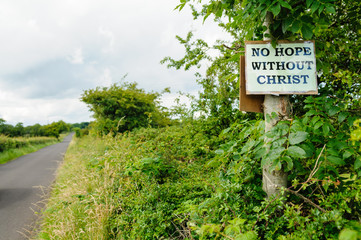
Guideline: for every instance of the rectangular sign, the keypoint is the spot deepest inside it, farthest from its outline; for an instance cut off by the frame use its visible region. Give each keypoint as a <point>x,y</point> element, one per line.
<point>289,68</point>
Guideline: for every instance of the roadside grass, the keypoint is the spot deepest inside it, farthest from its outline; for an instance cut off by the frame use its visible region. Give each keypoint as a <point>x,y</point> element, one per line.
<point>171,183</point>
<point>79,205</point>
<point>32,145</point>
<point>128,187</point>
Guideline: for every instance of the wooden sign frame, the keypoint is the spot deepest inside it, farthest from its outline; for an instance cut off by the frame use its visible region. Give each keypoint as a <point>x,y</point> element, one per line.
<point>248,103</point>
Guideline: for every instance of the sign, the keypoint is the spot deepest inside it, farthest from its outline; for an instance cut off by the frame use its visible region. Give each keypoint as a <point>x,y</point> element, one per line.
<point>289,68</point>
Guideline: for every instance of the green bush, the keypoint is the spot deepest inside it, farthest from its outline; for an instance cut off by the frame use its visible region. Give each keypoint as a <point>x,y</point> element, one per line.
<point>124,107</point>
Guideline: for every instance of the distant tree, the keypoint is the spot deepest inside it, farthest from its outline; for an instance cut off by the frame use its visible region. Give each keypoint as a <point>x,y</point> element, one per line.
<point>34,130</point>
<point>81,125</point>
<point>18,130</point>
<point>2,125</point>
<point>124,107</point>
<point>55,128</point>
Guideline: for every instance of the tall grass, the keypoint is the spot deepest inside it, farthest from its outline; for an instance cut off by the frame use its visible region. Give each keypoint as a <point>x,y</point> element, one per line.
<point>81,203</point>
<point>128,187</point>
<point>11,148</point>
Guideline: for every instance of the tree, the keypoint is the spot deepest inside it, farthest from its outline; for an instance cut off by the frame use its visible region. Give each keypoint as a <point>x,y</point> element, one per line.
<point>55,128</point>
<point>18,130</point>
<point>124,107</point>
<point>331,22</point>
<point>313,145</point>
<point>34,130</point>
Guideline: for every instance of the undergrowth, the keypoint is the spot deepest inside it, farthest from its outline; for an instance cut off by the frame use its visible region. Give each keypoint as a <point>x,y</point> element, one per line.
<point>180,182</point>
<point>11,147</point>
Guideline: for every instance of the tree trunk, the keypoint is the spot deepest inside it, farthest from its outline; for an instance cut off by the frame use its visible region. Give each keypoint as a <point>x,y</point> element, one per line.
<point>273,181</point>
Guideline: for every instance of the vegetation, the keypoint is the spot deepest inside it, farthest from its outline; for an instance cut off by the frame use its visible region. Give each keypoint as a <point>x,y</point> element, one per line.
<point>201,178</point>
<point>124,107</point>
<point>18,140</point>
<point>13,147</point>
<point>50,130</point>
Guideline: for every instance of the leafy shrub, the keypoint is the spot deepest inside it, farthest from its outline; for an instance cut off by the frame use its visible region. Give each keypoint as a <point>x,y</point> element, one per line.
<point>123,107</point>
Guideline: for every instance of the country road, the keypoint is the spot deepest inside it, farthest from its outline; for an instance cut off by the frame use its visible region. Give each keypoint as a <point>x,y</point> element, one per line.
<point>23,185</point>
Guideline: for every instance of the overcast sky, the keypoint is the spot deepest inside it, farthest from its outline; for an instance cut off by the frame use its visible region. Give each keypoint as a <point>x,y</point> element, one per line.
<point>53,50</point>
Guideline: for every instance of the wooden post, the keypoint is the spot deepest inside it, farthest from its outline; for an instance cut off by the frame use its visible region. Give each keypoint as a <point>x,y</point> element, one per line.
<point>274,180</point>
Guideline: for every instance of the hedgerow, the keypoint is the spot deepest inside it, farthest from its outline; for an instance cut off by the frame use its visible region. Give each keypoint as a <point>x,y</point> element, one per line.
<point>7,143</point>
<point>175,183</point>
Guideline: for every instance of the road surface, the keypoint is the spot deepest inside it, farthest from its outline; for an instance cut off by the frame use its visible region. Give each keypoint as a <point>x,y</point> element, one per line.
<point>24,183</point>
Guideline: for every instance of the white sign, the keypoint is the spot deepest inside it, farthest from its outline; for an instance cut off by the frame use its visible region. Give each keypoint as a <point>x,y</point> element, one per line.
<point>289,68</point>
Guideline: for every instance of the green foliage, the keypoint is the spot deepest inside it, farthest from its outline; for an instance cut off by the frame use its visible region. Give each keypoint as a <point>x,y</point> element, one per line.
<point>178,182</point>
<point>202,178</point>
<point>55,128</point>
<point>50,130</point>
<point>292,19</point>
<point>123,107</point>
<point>81,132</point>
<point>81,125</point>
<point>14,147</point>
<point>7,143</point>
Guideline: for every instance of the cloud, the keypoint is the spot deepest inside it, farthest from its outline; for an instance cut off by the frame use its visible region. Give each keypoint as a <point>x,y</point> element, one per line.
<point>77,57</point>
<point>54,50</point>
<point>109,35</point>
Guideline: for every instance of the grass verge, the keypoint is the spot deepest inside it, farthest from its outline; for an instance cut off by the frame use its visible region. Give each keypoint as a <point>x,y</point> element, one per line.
<point>79,205</point>
<point>128,187</point>
<point>170,184</point>
<point>11,154</point>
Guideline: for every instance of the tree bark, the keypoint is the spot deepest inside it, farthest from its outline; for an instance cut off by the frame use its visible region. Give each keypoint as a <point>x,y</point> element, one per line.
<point>273,181</point>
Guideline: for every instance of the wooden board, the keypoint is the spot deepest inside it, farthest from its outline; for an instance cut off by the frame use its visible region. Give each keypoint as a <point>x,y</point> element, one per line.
<point>248,103</point>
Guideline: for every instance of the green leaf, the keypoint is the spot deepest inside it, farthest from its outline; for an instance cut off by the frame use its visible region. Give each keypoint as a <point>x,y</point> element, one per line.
<point>330,9</point>
<point>298,137</point>
<point>289,162</point>
<point>335,160</point>
<point>357,164</point>
<point>250,235</point>
<point>180,6</point>
<point>312,112</point>
<point>315,119</point>
<point>296,26</point>
<point>318,125</point>
<point>308,3</point>
<point>260,153</point>
<point>348,153</point>
<point>333,110</point>
<point>219,151</point>
<point>285,5</point>
<point>236,157</point>
<point>276,165</point>
<point>326,129</point>
<point>315,6</point>
<point>279,142</point>
<point>286,24</point>
<point>320,9</point>
<point>306,31</point>
<point>348,234</point>
<point>276,9</point>
<point>342,116</point>
<point>275,153</point>
<point>296,152</point>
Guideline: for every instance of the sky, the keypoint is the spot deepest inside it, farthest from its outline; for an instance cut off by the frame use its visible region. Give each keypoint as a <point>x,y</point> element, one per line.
<point>51,51</point>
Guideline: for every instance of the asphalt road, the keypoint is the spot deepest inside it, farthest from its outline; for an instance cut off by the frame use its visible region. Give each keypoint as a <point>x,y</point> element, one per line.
<point>24,184</point>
